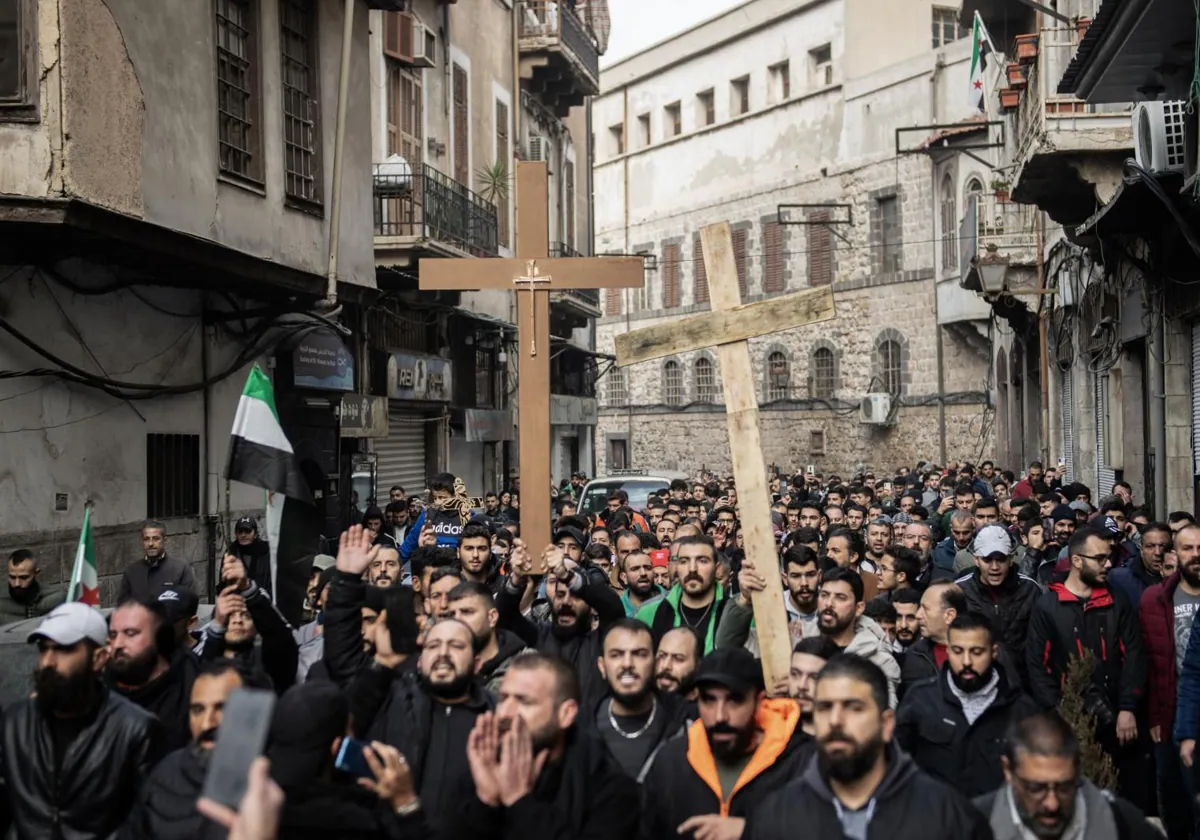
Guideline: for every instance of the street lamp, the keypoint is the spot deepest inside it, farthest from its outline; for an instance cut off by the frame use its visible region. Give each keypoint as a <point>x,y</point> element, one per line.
<point>993,271</point>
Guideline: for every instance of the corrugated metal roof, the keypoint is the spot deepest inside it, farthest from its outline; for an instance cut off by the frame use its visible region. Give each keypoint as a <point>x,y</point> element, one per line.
<point>1087,47</point>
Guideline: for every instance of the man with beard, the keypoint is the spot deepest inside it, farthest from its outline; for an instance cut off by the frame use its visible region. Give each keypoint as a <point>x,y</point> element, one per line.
<point>574,598</point>
<point>861,784</point>
<point>637,574</point>
<point>842,621</point>
<point>801,576</point>
<point>385,569</point>
<point>808,658</point>
<point>879,543</point>
<point>698,601</point>
<point>744,747</point>
<point>475,556</point>
<point>472,604</point>
<point>954,725</point>
<point>26,598</point>
<point>166,804</point>
<point>846,548</point>
<point>397,520</point>
<point>1082,612</point>
<point>908,627</point>
<point>144,579</point>
<point>426,714</point>
<point>146,666</point>
<point>75,753</point>
<point>1045,795</point>
<point>998,590</point>
<point>536,772</point>
<point>253,551</point>
<point>634,720</point>
<point>676,662</point>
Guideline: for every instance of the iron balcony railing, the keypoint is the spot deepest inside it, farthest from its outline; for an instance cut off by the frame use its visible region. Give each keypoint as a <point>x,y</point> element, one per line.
<point>420,202</point>
<point>590,296</point>
<point>549,20</point>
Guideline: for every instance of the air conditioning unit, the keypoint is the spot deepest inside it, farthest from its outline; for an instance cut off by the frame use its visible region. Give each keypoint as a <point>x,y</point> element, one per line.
<point>875,409</point>
<point>409,41</point>
<point>539,148</point>
<point>424,46</point>
<point>1158,136</point>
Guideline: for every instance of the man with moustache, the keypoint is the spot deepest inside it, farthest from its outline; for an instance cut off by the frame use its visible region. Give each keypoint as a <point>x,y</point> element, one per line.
<point>26,598</point>
<point>426,713</point>
<point>846,548</point>
<point>574,598</point>
<point>697,601</point>
<point>744,747</point>
<point>166,804</point>
<point>808,658</point>
<point>475,556</point>
<point>861,784</point>
<point>637,573</point>
<point>801,576</point>
<point>74,753</point>
<point>841,606</point>
<point>146,666</point>
<point>908,626</point>
<point>954,725</point>
<point>634,719</point>
<point>472,604</point>
<point>676,661</point>
<point>385,569</point>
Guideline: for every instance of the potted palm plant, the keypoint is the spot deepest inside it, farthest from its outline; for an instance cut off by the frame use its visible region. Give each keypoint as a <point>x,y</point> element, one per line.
<point>492,181</point>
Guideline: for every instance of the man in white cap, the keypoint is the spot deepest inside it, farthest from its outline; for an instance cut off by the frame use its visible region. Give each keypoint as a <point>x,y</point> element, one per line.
<point>75,753</point>
<point>998,590</point>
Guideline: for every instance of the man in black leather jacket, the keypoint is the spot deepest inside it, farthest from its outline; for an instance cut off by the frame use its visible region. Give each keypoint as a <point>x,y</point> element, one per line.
<point>74,755</point>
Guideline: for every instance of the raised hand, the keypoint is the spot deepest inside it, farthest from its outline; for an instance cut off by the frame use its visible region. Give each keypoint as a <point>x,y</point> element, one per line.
<point>233,570</point>
<point>520,564</point>
<point>519,768</point>
<point>393,782</point>
<point>482,757</point>
<point>355,550</point>
<point>228,603</point>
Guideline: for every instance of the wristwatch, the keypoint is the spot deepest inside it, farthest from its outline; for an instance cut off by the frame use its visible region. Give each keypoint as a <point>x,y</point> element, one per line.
<point>409,808</point>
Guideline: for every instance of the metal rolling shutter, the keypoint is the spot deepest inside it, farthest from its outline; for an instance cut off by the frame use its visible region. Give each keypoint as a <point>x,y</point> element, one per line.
<point>1105,478</point>
<point>1196,397</point>
<point>1068,425</point>
<point>400,457</point>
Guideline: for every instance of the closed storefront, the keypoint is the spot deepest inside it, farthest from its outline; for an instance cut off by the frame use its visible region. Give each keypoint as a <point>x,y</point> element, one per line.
<point>1068,425</point>
<point>1196,398</point>
<point>400,457</point>
<point>1105,477</point>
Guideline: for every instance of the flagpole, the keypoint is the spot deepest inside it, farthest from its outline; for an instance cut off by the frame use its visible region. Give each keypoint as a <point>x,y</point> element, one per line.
<point>76,567</point>
<point>987,35</point>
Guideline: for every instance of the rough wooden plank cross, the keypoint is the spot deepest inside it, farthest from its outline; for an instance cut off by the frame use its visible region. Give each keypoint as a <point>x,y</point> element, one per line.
<point>728,327</point>
<point>532,274</point>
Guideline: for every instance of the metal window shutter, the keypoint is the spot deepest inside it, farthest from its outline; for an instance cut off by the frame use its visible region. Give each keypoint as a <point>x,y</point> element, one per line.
<point>1105,478</point>
<point>400,457</point>
<point>1196,397</point>
<point>1068,425</point>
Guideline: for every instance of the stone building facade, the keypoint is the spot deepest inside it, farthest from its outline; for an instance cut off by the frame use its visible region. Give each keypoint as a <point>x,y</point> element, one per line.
<point>770,133</point>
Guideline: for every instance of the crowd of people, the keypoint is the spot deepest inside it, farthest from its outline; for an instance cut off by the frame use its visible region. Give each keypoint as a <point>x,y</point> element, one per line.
<point>972,656</point>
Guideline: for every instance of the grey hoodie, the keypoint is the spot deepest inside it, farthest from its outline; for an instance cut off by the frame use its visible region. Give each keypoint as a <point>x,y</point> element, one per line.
<point>855,824</point>
<point>871,643</point>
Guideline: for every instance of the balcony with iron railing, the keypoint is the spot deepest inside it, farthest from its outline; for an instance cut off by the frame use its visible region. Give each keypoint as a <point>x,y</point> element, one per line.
<point>420,208</point>
<point>585,302</point>
<point>996,230</point>
<point>560,56</point>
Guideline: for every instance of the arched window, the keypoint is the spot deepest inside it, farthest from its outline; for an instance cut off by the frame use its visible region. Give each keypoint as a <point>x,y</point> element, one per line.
<point>706,381</point>
<point>779,376</point>
<point>890,365</point>
<point>974,188</point>
<point>617,393</point>
<point>949,225</point>
<point>672,383</point>
<point>823,378</point>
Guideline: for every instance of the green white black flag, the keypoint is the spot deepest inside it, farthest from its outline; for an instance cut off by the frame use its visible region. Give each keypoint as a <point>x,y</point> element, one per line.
<point>259,452</point>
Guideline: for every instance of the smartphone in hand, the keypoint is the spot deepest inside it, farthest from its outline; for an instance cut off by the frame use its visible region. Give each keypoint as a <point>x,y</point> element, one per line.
<point>351,759</point>
<point>241,739</point>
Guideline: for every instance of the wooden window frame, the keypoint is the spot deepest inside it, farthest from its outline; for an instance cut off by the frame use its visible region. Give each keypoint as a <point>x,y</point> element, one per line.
<point>739,236</point>
<point>250,115</point>
<point>303,164</point>
<point>739,96</point>
<point>673,122</point>
<point>774,281</point>
<point>779,77</point>
<point>23,103</point>
<point>461,164</point>
<point>700,292</point>
<point>671,292</point>
<point>569,201</point>
<point>940,18</point>
<point>503,155</point>
<point>706,108</point>
<point>890,259</point>
<point>820,249</point>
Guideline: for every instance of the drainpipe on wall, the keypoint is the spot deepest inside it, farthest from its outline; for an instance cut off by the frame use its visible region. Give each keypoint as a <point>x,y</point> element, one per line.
<point>339,151</point>
<point>1158,412</point>
<point>1043,350</point>
<point>631,292</point>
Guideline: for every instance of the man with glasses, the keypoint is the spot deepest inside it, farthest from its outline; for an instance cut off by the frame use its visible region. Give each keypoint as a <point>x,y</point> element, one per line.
<point>1084,612</point>
<point>996,589</point>
<point>1045,794</point>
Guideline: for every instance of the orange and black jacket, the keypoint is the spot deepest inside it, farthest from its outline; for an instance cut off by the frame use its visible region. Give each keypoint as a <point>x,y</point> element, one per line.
<point>1061,626</point>
<point>683,781</point>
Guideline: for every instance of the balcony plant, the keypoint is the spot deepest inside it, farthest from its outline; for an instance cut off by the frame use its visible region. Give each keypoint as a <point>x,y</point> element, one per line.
<point>1026,48</point>
<point>493,181</point>
<point>1010,98</point>
<point>1000,188</point>
<point>1081,25</point>
<point>1016,75</point>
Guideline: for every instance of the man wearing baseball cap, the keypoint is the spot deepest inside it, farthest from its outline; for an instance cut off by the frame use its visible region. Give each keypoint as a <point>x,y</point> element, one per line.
<point>75,753</point>
<point>745,745</point>
<point>253,551</point>
<point>998,590</point>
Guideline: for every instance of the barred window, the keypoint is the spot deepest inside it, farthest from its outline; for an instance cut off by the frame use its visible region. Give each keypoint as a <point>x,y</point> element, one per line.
<point>706,381</point>
<point>172,476</point>
<point>239,140</point>
<point>822,373</point>
<point>779,377</point>
<point>616,393</point>
<point>301,110</point>
<point>672,383</point>
<point>889,365</point>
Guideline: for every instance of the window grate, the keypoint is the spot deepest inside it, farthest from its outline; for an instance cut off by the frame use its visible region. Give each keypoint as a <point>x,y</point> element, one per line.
<point>889,365</point>
<point>672,383</point>
<point>172,476</point>
<point>237,87</point>
<point>301,144</point>
<point>779,377</point>
<point>616,393</point>
<point>822,373</point>
<point>887,234</point>
<point>706,381</point>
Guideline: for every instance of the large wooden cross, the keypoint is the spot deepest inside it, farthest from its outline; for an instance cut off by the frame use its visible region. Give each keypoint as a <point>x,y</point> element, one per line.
<point>728,326</point>
<point>532,276</point>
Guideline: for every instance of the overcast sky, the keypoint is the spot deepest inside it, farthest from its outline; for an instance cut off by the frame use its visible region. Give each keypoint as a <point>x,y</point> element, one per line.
<point>636,24</point>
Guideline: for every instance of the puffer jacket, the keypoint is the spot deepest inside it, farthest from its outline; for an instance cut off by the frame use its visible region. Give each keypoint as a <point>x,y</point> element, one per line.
<point>1008,606</point>
<point>1133,579</point>
<point>166,804</point>
<point>1156,615</point>
<point>870,642</point>
<point>663,615</point>
<point>42,601</point>
<point>105,764</point>
<point>492,672</point>
<point>944,554</point>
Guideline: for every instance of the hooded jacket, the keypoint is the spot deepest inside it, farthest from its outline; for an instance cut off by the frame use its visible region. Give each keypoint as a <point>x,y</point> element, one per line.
<point>871,643</point>
<point>631,609</point>
<point>168,698</point>
<point>91,795</point>
<point>1156,616</point>
<point>677,712</point>
<point>447,525</point>
<point>492,672</point>
<point>907,805</point>
<point>166,804</point>
<point>738,629</point>
<point>944,554</point>
<point>683,780</point>
<point>1008,606</point>
<point>932,728</point>
<point>1062,625</point>
<point>585,795</point>
<point>1107,817</point>
<point>664,615</point>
